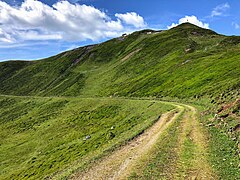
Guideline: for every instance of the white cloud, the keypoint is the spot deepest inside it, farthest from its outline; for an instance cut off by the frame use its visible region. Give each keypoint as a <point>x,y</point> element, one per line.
<point>236,25</point>
<point>132,19</point>
<point>220,10</point>
<point>191,19</point>
<point>34,20</point>
<point>4,37</point>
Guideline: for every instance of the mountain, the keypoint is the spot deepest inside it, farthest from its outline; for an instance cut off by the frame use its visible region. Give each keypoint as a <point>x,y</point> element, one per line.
<point>186,61</point>
<point>150,105</point>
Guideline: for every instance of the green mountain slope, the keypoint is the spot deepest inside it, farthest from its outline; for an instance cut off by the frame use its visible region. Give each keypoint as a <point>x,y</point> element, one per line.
<point>41,136</point>
<point>111,91</point>
<point>186,61</point>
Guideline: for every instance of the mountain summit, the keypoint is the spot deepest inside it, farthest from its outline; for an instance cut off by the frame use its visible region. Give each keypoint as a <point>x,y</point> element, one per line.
<point>185,61</point>
<point>148,105</point>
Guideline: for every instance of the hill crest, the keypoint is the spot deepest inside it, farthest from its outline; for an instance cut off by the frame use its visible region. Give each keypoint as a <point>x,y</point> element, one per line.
<point>185,61</point>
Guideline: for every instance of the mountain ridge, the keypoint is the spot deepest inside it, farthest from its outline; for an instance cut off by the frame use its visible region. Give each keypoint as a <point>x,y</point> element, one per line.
<point>177,51</point>
<point>175,92</point>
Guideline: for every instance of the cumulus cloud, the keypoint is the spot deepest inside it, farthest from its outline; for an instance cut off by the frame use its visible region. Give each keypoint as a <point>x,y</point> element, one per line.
<point>220,10</point>
<point>34,20</point>
<point>191,19</point>
<point>132,19</point>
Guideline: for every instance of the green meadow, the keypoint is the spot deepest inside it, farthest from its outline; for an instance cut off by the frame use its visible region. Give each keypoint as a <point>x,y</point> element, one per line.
<point>42,136</point>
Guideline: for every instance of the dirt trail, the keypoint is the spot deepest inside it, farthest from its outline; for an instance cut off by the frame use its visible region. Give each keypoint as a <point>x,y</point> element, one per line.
<point>201,167</point>
<point>130,55</point>
<point>119,164</point>
<point>193,133</point>
<point>192,141</point>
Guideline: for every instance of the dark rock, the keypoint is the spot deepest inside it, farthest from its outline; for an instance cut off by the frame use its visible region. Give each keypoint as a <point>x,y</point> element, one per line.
<point>237,128</point>
<point>224,116</point>
<point>111,135</point>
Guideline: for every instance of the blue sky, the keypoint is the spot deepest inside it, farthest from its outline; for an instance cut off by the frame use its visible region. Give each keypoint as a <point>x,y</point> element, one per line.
<point>33,29</point>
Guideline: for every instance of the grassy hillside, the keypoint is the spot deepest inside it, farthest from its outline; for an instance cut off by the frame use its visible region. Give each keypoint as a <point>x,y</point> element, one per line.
<point>186,61</point>
<point>48,107</point>
<point>41,136</point>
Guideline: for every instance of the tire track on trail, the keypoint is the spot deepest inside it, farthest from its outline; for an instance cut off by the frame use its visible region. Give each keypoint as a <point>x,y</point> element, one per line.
<point>191,151</point>
<point>193,162</point>
<point>120,163</point>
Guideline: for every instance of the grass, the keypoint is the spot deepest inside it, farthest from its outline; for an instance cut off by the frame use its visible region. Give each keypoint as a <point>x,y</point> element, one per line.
<point>224,155</point>
<point>186,152</point>
<point>42,136</point>
<point>223,150</point>
<point>161,161</point>
<point>184,62</point>
<point>186,157</point>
